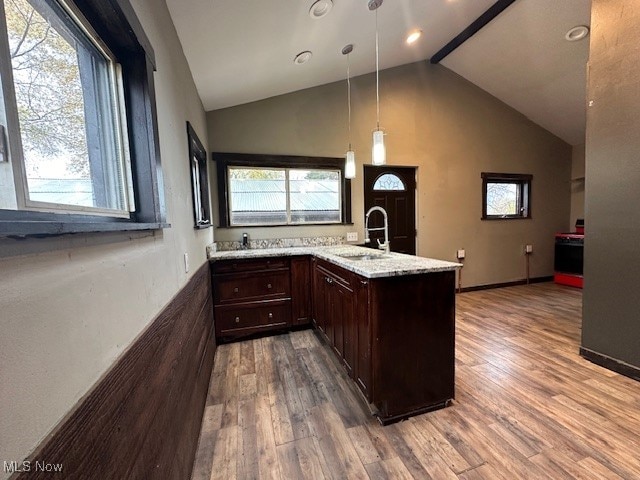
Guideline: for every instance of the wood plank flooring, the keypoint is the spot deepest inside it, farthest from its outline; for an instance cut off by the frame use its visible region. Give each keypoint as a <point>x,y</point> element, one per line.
<point>527,405</point>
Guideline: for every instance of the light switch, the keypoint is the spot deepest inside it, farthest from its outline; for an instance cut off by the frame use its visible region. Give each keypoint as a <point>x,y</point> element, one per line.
<point>460,254</point>
<point>352,236</point>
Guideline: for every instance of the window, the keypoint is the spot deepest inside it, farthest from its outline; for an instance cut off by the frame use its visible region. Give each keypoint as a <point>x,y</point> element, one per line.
<point>73,157</point>
<point>199,180</point>
<point>506,196</point>
<point>389,182</point>
<point>281,190</point>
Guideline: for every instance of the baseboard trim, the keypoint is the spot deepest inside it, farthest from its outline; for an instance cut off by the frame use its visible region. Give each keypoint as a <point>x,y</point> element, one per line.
<point>506,284</point>
<point>610,363</point>
<point>142,418</point>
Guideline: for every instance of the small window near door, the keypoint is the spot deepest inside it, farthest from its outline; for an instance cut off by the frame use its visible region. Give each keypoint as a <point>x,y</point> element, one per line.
<point>389,182</point>
<point>506,196</point>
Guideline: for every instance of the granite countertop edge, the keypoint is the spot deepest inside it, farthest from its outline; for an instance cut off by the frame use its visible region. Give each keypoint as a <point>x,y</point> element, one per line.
<point>388,265</point>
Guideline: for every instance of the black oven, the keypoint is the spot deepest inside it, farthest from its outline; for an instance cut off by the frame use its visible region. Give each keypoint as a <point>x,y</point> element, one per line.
<point>569,253</point>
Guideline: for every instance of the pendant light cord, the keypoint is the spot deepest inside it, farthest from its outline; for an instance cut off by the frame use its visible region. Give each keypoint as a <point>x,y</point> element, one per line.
<point>377,77</point>
<point>349,96</point>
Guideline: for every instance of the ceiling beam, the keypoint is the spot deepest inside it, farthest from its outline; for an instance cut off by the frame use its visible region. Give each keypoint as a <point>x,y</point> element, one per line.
<point>492,12</point>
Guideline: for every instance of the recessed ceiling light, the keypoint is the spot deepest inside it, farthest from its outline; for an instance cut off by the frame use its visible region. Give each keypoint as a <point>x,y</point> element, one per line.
<point>577,33</point>
<point>320,8</point>
<point>413,36</point>
<point>302,57</point>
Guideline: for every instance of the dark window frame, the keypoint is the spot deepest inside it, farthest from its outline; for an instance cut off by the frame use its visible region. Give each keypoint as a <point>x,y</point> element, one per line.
<point>224,160</point>
<point>118,27</point>
<point>197,151</point>
<point>523,181</point>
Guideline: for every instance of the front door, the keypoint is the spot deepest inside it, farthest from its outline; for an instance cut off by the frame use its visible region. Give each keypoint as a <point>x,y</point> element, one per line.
<point>394,189</point>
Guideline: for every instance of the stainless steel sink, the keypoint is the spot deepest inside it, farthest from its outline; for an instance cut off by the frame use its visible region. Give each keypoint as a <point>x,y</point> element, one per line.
<point>363,256</point>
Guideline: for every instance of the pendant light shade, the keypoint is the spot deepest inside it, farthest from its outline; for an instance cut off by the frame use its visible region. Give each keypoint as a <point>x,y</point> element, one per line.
<point>350,165</point>
<point>350,158</point>
<point>379,151</point>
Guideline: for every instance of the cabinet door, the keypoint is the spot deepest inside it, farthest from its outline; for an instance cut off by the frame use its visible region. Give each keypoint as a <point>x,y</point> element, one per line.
<point>363,338</point>
<point>347,331</point>
<point>319,299</point>
<point>300,290</point>
<point>337,299</point>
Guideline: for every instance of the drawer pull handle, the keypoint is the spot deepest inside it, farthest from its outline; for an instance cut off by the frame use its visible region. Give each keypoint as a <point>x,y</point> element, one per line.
<point>271,315</point>
<point>269,286</point>
<point>235,290</point>
<point>237,319</point>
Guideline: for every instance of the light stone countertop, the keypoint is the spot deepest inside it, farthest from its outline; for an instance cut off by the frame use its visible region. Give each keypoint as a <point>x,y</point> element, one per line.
<point>377,265</point>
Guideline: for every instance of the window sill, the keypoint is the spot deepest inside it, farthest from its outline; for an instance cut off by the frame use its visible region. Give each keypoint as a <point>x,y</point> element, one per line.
<point>279,225</point>
<point>506,218</point>
<point>35,228</point>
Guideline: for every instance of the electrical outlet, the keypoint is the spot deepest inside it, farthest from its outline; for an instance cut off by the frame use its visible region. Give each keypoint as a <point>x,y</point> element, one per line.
<point>528,249</point>
<point>186,262</point>
<point>352,236</point>
<point>460,254</point>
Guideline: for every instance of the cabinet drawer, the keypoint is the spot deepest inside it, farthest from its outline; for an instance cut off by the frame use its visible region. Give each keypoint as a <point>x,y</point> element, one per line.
<point>230,266</point>
<point>336,273</point>
<point>233,321</point>
<point>246,287</point>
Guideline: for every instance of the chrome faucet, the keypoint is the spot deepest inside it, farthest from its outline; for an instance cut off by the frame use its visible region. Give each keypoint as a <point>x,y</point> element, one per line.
<point>382,246</point>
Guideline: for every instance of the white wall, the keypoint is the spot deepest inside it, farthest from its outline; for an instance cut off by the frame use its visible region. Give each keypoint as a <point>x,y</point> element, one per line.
<point>69,306</point>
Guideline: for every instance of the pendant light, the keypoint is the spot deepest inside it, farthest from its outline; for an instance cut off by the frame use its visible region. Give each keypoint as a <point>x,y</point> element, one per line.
<point>378,151</point>
<point>350,160</point>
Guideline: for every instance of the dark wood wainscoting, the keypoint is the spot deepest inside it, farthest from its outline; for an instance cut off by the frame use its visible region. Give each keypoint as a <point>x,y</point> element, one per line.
<point>142,419</point>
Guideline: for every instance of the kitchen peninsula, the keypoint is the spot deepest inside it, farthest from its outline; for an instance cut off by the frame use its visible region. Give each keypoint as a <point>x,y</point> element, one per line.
<point>388,317</point>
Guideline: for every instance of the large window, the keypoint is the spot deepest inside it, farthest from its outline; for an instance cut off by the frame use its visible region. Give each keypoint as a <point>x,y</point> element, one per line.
<point>78,121</point>
<point>506,196</point>
<point>271,196</point>
<point>281,190</point>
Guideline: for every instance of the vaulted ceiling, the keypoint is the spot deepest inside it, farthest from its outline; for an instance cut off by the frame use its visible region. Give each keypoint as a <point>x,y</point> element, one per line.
<point>241,51</point>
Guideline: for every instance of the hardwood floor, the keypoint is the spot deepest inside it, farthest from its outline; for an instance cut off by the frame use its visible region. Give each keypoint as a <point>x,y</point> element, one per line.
<point>527,406</point>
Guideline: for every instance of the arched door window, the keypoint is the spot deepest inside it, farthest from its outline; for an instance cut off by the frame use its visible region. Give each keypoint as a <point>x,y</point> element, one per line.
<point>389,182</point>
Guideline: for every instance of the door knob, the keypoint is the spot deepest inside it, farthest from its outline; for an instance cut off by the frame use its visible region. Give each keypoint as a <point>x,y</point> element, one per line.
<point>268,285</point>
<point>235,290</point>
<point>270,315</point>
<point>237,319</point>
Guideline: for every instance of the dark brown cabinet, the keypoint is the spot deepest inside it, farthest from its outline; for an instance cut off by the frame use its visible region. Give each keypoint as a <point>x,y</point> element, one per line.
<point>335,310</point>
<point>301,290</point>
<point>412,321</point>
<point>394,335</point>
<point>363,338</point>
<point>264,294</point>
<point>251,296</point>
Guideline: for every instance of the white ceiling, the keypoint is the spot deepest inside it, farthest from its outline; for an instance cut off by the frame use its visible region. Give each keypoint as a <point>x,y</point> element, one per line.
<point>522,58</point>
<point>242,50</point>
